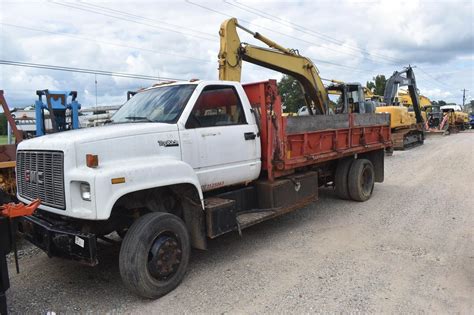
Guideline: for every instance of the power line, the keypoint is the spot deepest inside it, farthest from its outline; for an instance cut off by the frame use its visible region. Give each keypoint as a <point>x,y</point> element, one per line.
<point>144,18</point>
<point>86,7</point>
<point>78,7</point>
<point>104,42</point>
<point>286,35</point>
<point>88,71</point>
<point>305,30</point>
<point>440,83</point>
<point>277,32</point>
<point>308,31</point>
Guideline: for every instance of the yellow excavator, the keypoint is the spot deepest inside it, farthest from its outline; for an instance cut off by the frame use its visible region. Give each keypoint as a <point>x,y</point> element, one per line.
<point>407,129</point>
<point>436,122</point>
<point>288,61</point>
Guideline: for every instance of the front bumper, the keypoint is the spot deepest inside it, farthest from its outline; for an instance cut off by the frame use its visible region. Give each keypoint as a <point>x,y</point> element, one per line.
<point>59,240</point>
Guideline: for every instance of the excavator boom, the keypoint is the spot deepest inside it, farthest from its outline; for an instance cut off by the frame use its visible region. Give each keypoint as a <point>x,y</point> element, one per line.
<point>276,57</point>
<point>403,78</point>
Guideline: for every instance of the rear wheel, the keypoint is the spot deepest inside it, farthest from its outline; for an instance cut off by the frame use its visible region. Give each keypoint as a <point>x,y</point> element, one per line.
<point>154,254</point>
<point>340,180</point>
<point>361,180</point>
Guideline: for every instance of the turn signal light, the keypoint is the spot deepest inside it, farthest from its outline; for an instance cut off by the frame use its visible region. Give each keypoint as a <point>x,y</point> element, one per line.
<point>92,160</point>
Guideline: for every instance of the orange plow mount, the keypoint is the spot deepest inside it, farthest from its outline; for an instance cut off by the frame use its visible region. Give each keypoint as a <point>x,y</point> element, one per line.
<point>8,212</point>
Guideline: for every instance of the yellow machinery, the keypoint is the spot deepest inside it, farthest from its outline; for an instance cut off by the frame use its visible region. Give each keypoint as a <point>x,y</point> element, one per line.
<point>288,61</point>
<point>281,59</point>
<point>405,100</point>
<point>407,127</point>
<point>458,120</point>
<point>399,115</point>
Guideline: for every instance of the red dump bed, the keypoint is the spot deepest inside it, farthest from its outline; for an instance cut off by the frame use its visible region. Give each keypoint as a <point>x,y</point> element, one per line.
<point>291,142</point>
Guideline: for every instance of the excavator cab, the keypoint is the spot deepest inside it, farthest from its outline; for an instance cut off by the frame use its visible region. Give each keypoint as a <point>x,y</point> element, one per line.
<point>351,98</point>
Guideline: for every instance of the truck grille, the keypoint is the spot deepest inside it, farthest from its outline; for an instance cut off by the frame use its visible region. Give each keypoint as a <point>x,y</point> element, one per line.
<point>40,174</point>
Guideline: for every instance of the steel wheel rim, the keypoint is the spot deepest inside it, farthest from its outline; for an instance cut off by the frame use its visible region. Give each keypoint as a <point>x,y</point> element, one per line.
<point>164,256</point>
<point>367,180</point>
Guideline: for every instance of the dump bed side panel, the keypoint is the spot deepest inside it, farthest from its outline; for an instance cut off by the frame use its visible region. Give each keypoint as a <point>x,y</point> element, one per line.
<point>292,142</point>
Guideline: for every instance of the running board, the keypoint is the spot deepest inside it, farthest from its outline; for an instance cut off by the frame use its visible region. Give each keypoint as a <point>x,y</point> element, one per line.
<point>240,208</point>
<point>249,218</point>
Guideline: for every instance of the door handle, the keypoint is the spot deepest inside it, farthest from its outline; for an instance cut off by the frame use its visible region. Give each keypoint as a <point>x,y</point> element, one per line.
<point>250,135</point>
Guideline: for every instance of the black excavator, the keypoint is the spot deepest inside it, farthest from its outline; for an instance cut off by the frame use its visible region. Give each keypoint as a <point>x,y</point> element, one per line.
<point>407,131</point>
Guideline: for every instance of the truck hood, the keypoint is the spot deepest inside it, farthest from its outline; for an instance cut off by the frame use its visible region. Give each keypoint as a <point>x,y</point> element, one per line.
<point>111,142</point>
<point>96,134</point>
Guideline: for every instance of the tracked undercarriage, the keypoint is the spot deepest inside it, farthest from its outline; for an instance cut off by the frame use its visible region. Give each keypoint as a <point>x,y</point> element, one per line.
<point>405,138</point>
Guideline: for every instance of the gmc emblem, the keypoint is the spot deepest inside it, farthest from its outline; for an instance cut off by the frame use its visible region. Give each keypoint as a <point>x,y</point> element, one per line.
<point>34,177</point>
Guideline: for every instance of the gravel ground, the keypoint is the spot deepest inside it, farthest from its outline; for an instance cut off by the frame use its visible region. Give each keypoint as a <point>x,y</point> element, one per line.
<point>408,249</point>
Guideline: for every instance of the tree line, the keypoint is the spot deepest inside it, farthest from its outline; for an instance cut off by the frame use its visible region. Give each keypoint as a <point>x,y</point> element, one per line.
<point>293,99</point>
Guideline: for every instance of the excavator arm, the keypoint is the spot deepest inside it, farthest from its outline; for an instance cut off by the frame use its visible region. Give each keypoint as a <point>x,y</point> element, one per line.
<point>403,78</point>
<point>233,52</point>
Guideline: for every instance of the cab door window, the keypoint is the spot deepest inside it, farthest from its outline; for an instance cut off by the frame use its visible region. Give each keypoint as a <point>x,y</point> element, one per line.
<point>217,106</point>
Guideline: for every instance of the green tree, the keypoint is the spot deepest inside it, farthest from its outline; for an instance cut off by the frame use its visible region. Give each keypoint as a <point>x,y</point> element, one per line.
<point>377,86</point>
<point>291,94</point>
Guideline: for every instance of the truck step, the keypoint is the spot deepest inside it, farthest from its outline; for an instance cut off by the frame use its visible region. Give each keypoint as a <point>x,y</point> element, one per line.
<point>250,218</point>
<point>245,220</point>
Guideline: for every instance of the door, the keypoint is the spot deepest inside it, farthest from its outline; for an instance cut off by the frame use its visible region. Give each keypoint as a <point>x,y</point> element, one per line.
<point>226,146</point>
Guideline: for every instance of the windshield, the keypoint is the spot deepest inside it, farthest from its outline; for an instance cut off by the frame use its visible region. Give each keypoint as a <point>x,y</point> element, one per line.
<point>163,104</point>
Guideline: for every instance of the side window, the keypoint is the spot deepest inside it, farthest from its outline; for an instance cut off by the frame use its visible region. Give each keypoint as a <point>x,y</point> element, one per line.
<point>218,105</point>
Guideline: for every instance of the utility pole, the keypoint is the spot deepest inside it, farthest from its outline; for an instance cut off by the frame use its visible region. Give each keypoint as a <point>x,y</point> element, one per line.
<point>463,97</point>
<point>96,90</point>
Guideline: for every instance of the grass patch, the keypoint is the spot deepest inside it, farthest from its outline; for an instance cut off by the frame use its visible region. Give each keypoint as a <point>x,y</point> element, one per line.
<point>3,139</point>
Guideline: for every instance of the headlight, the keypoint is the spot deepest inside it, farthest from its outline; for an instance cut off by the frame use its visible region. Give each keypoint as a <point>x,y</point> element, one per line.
<point>86,191</point>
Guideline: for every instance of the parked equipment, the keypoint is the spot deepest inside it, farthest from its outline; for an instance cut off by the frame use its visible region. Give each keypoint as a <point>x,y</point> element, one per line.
<point>202,159</point>
<point>54,116</point>
<point>288,61</point>
<point>436,121</point>
<point>8,153</point>
<point>406,131</point>
<point>64,116</point>
<point>458,120</point>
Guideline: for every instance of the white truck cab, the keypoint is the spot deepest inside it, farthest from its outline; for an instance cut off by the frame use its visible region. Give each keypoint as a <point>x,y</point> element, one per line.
<point>199,133</point>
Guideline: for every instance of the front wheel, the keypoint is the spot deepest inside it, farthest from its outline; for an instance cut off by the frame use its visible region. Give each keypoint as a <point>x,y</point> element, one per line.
<point>154,254</point>
<point>361,180</point>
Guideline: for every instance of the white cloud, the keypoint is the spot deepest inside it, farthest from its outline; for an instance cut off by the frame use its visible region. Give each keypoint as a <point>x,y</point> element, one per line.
<point>437,94</point>
<point>437,36</point>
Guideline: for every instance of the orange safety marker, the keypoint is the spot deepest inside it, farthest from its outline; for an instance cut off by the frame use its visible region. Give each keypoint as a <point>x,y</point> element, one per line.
<point>13,210</point>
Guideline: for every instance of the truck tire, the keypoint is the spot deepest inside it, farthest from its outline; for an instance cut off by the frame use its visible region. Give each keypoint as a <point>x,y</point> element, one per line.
<point>341,176</point>
<point>154,254</point>
<point>361,180</point>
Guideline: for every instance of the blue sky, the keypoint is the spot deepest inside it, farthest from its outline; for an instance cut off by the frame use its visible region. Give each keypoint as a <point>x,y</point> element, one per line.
<point>348,40</point>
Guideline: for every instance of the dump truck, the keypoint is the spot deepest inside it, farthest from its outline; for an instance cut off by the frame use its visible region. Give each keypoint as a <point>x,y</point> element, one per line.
<point>184,162</point>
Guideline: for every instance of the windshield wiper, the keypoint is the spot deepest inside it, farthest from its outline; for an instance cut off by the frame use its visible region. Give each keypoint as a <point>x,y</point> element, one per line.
<point>138,118</point>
